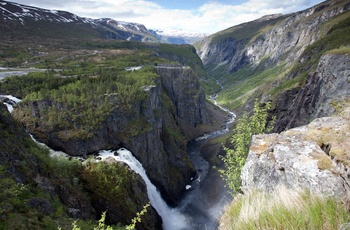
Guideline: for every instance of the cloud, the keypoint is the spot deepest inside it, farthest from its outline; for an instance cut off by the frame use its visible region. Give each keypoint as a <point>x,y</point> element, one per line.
<point>211,17</point>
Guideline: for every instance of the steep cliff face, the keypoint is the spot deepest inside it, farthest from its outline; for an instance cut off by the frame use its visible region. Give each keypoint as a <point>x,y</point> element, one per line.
<point>286,59</point>
<point>188,100</point>
<point>36,185</point>
<point>153,131</point>
<point>325,90</point>
<point>272,39</point>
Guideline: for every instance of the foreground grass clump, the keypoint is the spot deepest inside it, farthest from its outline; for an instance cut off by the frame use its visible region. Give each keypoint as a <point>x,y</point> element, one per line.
<point>285,209</point>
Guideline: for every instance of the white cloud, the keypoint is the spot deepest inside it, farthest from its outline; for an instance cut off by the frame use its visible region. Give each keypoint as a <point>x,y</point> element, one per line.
<point>211,17</point>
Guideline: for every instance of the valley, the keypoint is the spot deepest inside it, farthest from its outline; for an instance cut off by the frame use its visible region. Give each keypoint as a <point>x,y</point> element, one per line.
<point>164,118</point>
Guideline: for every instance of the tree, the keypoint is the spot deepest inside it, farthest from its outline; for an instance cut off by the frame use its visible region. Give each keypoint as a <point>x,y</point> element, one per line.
<point>245,129</point>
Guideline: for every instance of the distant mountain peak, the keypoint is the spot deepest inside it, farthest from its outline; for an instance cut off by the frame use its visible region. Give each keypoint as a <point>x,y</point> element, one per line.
<point>179,33</point>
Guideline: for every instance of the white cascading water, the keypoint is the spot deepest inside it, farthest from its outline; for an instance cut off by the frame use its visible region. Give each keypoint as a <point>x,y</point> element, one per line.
<point>172,218</point>
<point>12,100</point>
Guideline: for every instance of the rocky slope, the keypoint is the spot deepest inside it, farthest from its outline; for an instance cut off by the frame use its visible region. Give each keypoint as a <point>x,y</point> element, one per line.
<point>268,39</point>
<point>278,58</point>
<point>326,90</point>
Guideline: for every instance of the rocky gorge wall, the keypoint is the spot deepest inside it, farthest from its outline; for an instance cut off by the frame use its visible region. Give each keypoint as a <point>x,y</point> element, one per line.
<point>325,91</point>
<point>159,144</point>
<point>284,41</point>
<point>51,192</point>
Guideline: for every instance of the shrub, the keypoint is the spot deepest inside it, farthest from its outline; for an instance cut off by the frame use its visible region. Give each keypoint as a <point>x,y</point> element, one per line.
<point>245,129</point>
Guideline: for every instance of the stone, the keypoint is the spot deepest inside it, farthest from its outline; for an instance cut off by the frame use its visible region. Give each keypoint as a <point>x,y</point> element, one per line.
<point>41,204</point>
<point>295,159</point>
<point>325,90</point>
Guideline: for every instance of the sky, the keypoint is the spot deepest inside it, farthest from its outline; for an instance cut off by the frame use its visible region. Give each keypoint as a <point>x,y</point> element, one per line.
<point>196,16</point>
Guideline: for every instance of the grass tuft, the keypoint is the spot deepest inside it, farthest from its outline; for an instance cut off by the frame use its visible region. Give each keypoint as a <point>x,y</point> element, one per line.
<point>285,209</point>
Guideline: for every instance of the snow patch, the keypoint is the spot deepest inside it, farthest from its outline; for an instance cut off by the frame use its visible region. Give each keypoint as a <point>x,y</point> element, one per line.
<point>179,33</point>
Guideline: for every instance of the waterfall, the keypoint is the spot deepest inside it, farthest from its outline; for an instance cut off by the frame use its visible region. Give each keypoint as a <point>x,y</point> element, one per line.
<point>193,212</point>
<point>9,101</point>
<point>172,218</point>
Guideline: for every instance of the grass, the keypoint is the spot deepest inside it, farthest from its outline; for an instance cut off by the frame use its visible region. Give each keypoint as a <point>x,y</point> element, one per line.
<point>247,85</point>
<point>341,50</point>
<point>245,31</point>
<point>284,209</point>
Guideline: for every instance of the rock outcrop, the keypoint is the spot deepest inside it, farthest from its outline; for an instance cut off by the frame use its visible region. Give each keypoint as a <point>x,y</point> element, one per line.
<point>313,157</point>
<point>325,89</point>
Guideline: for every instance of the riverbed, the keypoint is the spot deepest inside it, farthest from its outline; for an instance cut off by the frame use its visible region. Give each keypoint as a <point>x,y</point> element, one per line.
<point>204,202</point>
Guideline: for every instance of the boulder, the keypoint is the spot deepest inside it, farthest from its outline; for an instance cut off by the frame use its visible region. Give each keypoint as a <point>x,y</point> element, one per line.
<point>303,158</point>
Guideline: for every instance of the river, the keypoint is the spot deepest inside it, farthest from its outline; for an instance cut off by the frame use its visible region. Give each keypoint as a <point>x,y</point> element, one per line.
<point>204,202</point>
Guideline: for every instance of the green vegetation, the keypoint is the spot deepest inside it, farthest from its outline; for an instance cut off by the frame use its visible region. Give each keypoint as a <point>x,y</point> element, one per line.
<point>251,84</point>
<point>246,31</point>
<point>341,50</point>
<point>82,85</point>
<point>109,180</point>
<point>284,209</point>
<point>34,186</point>
<point>251,81</point>
<point>245,129</point>
<point>137,218</point>
<point>15,211</point>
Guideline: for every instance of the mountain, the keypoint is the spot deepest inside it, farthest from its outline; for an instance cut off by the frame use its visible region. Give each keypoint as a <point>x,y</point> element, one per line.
<point>178,36</point>
<point>299,64</point>
<point>21,21</point>
<point>87,92</point>
<point>276,58</point>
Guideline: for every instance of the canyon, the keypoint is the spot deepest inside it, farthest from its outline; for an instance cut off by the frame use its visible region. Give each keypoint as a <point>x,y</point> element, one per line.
<point>84,95</point>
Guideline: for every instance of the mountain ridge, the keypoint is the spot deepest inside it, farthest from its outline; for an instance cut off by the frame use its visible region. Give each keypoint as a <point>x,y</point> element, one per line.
<point>31,20</point>
<point>41,22</point>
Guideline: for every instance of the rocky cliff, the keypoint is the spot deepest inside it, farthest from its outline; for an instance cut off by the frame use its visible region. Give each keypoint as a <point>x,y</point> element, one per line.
<point>154,131</point>
<point>35,187</point>
<point>314,157</point>
<point>271,57</point>
<point>325,91</point>
<point>272,39</point>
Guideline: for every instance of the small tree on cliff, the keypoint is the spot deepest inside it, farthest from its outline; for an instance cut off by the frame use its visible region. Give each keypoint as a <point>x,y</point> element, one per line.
<point>245,129</point>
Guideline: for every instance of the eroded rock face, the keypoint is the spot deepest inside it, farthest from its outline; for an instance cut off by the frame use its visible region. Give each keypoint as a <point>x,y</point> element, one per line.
<point>183,90</point>
<point>295,159</point>
<point>285,42</point>
<point>325,89</point>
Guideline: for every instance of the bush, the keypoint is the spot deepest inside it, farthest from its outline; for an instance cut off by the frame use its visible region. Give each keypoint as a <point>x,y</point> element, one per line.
<point>245,129</point>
